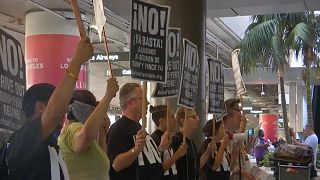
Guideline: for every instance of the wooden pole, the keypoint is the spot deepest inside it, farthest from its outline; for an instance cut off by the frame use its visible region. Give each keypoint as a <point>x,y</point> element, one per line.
<point>168,117</point>
<point>76,11</point>
<point>107,49</point>
<point>185,124</point>
<point>213,131</point>
<point>144,104</point>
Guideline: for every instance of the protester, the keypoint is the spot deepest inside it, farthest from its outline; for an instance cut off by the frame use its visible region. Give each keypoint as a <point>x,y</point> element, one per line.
<point>84,157</point>
<point>133,154</point>
<point>188,165</point>
<point>311,141</point>
<point>32,151</point>
<point>260,147</point>
<point>218,165</point>
<point>233,122</point>
<point>162,137</point>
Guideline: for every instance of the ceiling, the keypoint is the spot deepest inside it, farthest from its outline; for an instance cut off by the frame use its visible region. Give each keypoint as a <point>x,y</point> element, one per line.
<point>222,33</point>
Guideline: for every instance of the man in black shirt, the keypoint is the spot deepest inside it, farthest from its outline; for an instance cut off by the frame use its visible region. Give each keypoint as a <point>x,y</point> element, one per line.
<point>32,150</point>
<point>132,153</point>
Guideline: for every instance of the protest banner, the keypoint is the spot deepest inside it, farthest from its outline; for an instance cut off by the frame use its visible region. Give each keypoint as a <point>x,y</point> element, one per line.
<point>216,86</point>
<point>12,82</point>
<point>189,76</point>
<point>171,87</point>
<point>241,88</point>
<point>148,45</point>
<point>99,16</point>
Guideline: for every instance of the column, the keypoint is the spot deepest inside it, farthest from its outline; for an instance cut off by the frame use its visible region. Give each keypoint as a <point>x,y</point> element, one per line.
<point>50,43</point>
<point>300,108</point>
<point>190,16</point>
<point>292,105</point>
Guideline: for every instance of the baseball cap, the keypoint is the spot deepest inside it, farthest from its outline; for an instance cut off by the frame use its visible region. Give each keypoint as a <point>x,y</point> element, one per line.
<point>37,92</point>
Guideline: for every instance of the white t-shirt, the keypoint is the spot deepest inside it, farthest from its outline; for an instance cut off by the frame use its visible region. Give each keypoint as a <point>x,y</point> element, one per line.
<point>312,141</point>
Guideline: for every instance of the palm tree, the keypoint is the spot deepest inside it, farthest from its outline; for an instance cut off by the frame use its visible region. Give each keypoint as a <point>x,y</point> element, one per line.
<point>266,44</point>
<point>304,39</point>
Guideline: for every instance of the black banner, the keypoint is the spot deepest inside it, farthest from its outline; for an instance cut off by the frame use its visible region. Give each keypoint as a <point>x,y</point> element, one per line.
<point>114,56</point>
<point>216,86</point>
<point>148,45</point>
<point>171,87</point>
<point>12,82</point>
<point>189,76</point>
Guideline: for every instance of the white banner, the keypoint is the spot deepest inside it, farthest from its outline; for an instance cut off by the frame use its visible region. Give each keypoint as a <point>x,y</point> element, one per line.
<point>241,88</point>
<point>99,16</point>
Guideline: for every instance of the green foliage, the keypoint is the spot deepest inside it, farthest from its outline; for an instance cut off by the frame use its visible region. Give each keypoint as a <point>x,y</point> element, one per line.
<point>267,160</point>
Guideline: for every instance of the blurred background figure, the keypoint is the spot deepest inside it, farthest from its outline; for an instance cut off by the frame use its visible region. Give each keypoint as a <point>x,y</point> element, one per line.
<point>260,147</point>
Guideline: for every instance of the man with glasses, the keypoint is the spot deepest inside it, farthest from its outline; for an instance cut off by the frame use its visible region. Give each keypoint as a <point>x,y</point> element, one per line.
<point>132,153</point>
<point>235,122</point>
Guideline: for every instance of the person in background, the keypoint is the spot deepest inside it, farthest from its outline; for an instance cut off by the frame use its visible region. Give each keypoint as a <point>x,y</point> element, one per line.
<point>218,165</point>
<point>311,141</point>
<point>133,154</point>
<point>32,152</point>
<point>84,157</point>
<point>188,165</point>
<point>260,147</point>
<point>162,137</point>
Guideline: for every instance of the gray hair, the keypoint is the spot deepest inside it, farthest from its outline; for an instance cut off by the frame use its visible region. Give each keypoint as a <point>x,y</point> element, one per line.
<point>127,92</point>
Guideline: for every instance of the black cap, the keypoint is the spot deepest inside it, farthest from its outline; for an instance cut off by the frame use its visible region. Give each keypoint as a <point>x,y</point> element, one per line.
<point>37,92</point>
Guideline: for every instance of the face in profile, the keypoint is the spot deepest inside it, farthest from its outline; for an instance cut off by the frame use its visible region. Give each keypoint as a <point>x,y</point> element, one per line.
<point>193,120</point>
<point>172,121</point>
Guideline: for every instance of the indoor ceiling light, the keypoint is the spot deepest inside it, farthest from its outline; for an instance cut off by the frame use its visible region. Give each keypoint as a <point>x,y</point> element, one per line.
<point>262,92</point>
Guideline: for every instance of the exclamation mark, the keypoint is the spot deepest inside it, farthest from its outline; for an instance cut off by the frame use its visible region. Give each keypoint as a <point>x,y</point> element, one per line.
<point>178,44</point>
<point>20,53</point>
<point>162,22</point>
<point>134,13</point>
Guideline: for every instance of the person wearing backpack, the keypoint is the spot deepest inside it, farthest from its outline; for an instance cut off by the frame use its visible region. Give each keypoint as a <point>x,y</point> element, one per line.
<point>32,151</point>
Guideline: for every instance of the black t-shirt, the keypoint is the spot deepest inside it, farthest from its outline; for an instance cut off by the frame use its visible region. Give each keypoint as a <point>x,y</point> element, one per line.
<point>223,172</point>
<point>28,155</point>
<point>171,174</point>
<point>188,165</point>
<point>120,139</point>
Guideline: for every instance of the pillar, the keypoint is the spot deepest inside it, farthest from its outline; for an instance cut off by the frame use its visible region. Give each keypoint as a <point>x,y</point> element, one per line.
<point>300,108</point>
<point>292,105</point>
<point>190,16</point>
<point>49,46</point>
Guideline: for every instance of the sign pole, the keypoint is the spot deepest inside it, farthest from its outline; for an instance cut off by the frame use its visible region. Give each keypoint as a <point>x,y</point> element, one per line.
<point>168,117</point>
<point>185,124</point>
<point>213,130</point>
<point>144,104</point>
<point>107,49</point>
<point>76,11</point>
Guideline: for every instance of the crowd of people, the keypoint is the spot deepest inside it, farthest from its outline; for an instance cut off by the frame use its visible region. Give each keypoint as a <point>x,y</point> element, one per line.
<point>67,136</point>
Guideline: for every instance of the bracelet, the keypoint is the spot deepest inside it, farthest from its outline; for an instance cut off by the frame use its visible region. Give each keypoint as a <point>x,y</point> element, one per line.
<point>71,74</point>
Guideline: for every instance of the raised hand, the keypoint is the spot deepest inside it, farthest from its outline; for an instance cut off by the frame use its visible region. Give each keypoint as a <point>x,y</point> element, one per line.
<point>182,150</point>
<point>165,142</point>
<point>112,87</point>
<point>84,51</point>
<point>140,140</point>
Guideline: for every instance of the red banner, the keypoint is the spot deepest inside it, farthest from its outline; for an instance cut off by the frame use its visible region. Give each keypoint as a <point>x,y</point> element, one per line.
<point>269,126</point>
<point>48,55</point>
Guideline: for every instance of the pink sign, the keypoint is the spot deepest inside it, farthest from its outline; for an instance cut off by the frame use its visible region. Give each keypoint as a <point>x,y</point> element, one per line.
<point>269,126</point>
<point>47,57</point>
